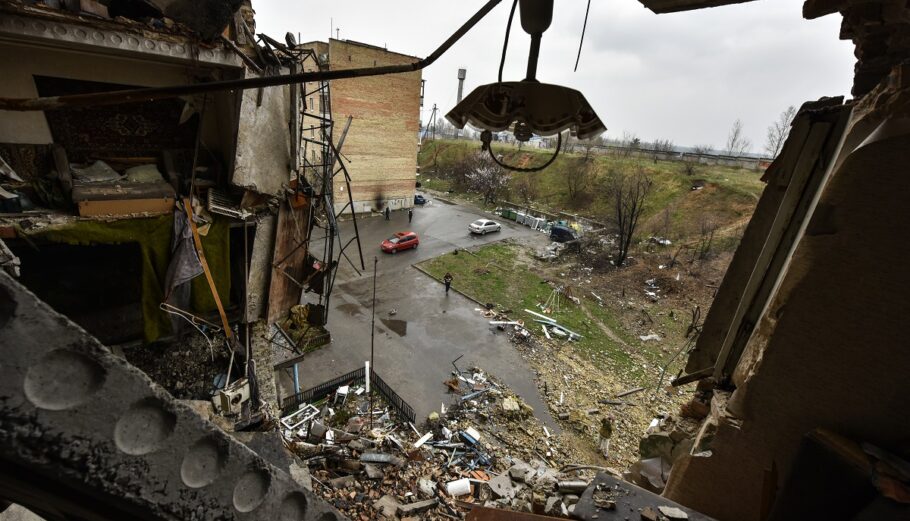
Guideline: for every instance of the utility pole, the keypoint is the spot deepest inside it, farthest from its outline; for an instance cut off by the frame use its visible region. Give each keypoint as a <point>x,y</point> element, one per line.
<point>461,75</point>
<point>372,336</point>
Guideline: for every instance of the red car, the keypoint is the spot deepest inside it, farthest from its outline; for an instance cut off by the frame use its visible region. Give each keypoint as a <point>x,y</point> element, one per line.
<point>400,241</point>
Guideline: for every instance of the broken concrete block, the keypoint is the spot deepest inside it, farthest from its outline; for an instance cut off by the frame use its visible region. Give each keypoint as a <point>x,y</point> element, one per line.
<point>342,482</point>
<point>318,430</point>
<point>673,512</point>
<point>553,506</point>
<point>427,487</point>
<point>373,471</point>
<point>649,514</point>
<point>510,405</point>
<point>656,445</point>
<point>502,486</point>
<point>519,471</point>
<point>416,508</point>
<point>681,449</point>
<point>388,505</point>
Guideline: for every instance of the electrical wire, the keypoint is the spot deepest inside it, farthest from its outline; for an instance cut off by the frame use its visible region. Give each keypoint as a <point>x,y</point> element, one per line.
<point>505,43</point>
<point>192,319</point>
<point>582,40</point>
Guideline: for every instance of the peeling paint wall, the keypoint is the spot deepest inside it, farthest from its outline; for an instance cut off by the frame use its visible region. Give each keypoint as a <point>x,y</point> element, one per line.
<point>263,160</point>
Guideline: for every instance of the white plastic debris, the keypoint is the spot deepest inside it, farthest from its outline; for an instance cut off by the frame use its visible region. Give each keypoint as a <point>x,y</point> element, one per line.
<point>423,439</point>
<point>459,487</point>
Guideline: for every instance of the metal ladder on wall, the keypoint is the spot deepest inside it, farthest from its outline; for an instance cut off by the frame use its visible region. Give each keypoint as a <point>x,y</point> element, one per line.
<point>318,172</point>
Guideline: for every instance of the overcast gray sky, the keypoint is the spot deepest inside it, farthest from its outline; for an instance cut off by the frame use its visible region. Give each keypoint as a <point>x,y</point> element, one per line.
<point>682,76</point>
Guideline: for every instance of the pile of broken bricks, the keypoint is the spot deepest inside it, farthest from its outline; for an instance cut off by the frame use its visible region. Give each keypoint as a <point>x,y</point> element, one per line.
<point>485,449</point>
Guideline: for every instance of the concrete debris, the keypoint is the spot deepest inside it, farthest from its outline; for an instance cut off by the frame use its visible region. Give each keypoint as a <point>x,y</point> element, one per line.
<point>487,449</point>
<point>673,512</point>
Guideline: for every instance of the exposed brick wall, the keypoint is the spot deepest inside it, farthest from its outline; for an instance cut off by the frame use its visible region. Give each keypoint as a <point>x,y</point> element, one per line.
<point>382,143</point>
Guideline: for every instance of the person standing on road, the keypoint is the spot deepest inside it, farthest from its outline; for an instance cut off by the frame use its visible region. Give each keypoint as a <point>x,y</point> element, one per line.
<point>410,215</point>
<point>388,213</point>
<point>447,280</point>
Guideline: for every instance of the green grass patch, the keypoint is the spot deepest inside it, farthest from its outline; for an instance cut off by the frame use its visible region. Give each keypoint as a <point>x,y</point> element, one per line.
<point>496,274</point>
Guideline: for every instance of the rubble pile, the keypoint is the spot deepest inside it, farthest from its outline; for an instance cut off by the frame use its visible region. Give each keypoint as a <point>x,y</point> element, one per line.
<point>573,386</point>
<point>485,448</point>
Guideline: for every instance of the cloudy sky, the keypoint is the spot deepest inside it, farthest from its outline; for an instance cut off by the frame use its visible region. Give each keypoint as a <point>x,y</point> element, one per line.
<point>683,76</point>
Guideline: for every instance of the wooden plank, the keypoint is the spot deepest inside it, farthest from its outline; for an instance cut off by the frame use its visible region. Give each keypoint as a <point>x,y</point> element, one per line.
<point>288,260</point>
<point>117,207</point>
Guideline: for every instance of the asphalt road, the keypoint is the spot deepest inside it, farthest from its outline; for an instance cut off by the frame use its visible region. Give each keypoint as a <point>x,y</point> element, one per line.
<point>414,347</point>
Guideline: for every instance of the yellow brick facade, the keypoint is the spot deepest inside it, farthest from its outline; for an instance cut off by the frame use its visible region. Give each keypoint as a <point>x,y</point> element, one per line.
<point>381,145</point>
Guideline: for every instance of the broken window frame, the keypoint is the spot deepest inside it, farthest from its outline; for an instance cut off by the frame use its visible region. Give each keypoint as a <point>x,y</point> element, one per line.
<point>797,178</point>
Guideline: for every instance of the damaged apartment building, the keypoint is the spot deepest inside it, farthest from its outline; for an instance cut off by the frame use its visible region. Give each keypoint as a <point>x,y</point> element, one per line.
<point>177,231</point>
<point>179,222</point>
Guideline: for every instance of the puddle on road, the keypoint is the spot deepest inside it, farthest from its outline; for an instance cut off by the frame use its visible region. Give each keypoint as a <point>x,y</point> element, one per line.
<point>400,327</point>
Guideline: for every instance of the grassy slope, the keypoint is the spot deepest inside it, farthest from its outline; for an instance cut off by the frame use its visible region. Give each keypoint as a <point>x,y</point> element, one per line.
<point>728,198</point>
<point>673,210</point>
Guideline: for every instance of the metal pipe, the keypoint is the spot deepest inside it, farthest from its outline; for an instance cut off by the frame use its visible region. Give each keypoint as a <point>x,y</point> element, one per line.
<point>157,93</point>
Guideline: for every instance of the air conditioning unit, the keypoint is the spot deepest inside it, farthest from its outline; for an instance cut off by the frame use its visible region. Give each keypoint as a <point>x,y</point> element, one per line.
<point>231,399</point>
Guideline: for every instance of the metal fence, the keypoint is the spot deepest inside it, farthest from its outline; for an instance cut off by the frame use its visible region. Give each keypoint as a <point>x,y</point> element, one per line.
<point>397,402</point>
<point>291,403</point>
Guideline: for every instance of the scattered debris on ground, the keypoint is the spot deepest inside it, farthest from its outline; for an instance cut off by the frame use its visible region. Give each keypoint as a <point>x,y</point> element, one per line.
<point>485,448</point>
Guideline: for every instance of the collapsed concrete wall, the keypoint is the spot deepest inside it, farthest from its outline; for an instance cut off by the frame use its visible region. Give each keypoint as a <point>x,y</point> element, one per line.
<point>829,350</point>
<point>83,434</point>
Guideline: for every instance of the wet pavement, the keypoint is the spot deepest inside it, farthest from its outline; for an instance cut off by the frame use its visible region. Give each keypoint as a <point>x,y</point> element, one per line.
<point>419,329</point>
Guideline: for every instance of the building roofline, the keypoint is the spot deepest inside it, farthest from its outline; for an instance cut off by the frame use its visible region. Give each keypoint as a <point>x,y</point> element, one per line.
<point>369,46</point>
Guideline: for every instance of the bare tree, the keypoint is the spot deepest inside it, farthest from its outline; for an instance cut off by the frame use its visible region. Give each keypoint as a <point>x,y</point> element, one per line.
<point>485,177</point>
<point>526,189</point>
<point>577,177</point>
<point>661,146</point>
<point>778,131</point>
<point>707,227</point>
<point>702,150</point>
<point>626,195</point>
<point>737,142</point>
<point>590,144</point>
<point>628,143</point>
<point>690,167</point>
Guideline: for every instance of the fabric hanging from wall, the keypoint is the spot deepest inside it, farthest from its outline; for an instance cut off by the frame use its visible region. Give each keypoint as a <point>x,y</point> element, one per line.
<point>154,237</point>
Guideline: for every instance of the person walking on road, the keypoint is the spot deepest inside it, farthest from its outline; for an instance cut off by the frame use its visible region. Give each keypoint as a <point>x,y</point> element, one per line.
<point>447,280</point>
<point>410,215</point>
<point>388,213</point>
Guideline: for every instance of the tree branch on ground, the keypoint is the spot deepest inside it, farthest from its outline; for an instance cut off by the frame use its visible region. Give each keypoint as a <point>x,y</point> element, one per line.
<point>626,195</point>
<point>778,132</point>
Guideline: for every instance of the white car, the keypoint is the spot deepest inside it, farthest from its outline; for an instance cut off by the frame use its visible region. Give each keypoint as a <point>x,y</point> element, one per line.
<point>483,226</point>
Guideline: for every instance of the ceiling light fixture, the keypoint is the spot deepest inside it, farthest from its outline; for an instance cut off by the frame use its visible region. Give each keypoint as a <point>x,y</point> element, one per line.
<point>527,106</point>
